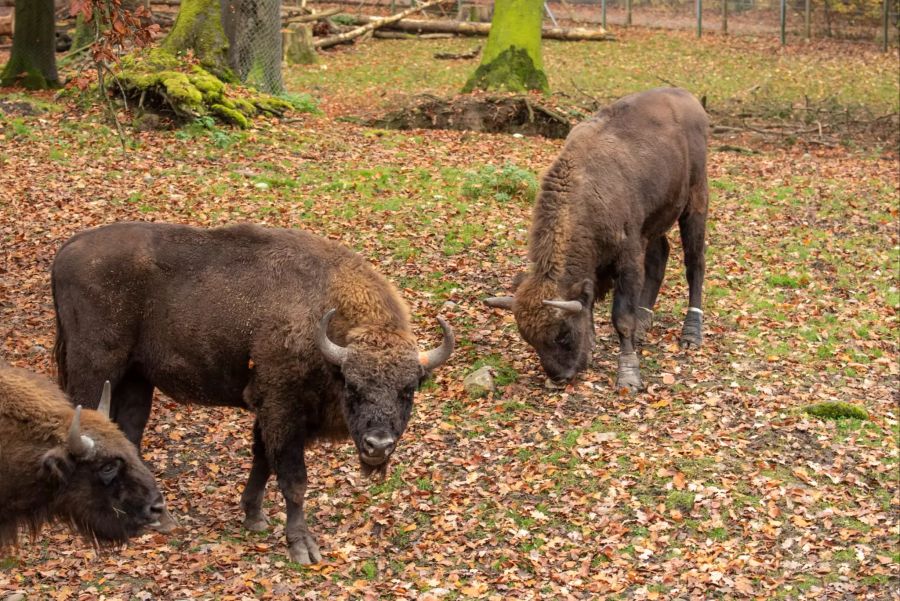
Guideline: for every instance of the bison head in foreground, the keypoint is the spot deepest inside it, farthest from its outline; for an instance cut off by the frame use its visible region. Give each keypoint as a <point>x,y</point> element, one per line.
<point>71,465</point>
<point>382,371</point>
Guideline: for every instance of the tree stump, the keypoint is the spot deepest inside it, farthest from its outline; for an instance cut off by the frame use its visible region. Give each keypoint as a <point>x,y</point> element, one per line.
<point>298,44</point>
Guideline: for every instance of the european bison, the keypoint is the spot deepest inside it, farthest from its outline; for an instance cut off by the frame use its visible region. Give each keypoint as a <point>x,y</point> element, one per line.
<point>60,463</point>
<point>296,328</point>
<point>623,178</point>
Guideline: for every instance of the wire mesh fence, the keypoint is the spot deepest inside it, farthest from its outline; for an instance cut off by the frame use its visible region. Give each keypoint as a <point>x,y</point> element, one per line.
<point>874,21</point>
<point>253,28</point>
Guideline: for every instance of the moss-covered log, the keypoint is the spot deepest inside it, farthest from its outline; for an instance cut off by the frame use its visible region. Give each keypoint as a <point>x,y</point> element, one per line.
<point>160,81</point>
<point>512,58</point>
<point>32,62</point>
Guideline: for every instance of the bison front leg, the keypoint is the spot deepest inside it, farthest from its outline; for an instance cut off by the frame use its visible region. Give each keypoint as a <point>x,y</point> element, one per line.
<point>302,546</point>
<point>628,287</point>
<point>656,257</point>
<point>290,470</point>
<point>251,499</point>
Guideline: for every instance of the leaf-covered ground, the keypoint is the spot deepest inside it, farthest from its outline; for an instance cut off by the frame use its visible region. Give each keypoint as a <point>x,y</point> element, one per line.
<point>714,483</point>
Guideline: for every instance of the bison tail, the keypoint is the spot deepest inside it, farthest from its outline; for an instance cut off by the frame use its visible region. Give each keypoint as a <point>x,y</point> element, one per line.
<point>59,346</point>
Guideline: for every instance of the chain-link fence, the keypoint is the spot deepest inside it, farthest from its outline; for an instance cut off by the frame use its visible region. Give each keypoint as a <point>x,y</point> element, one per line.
<point>253,28</point>
<point>872,21</point>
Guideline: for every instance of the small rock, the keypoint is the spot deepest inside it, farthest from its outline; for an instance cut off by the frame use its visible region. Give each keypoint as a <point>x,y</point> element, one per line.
<point>480,382</point>
<point>147,122</point>
<point>15,597</point>
<point>449,305</point>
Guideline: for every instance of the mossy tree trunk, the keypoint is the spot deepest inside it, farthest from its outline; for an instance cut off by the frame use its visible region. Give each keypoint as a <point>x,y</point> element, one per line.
<point>512,57</point>
<point>198,27</point>
<point>32,62</point>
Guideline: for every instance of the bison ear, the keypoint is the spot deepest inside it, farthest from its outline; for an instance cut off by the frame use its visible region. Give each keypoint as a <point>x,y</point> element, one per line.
<point>56,465</point>
<point>583,292</point>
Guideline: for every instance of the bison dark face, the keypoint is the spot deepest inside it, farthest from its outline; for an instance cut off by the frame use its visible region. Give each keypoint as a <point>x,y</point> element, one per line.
<point>382,370</point>
<point>561,330</point>
<point>101,485</point>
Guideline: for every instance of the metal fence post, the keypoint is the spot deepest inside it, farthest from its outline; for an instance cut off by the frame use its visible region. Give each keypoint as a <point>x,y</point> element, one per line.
<point>806,19</point>
<point>887,14</point>
<point>699,18</point>
<point>725,16</point>
<point>603,13</point>
<point>783,20</point>
<point>628,13</point>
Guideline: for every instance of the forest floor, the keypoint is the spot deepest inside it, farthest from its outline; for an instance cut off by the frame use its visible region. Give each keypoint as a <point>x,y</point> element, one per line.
<point>712,483</point>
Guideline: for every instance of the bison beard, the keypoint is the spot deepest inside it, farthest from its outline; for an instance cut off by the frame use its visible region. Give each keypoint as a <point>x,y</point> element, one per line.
<point>294,327</point>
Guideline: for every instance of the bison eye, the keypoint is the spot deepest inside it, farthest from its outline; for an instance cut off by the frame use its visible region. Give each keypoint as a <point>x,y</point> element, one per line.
<point>110,470</point>
<point>564,339</point>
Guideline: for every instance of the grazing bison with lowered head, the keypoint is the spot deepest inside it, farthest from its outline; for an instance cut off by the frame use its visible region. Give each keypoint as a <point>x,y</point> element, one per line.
<point>296,328</point>
<point>623,178</point>
<point>60,463</point>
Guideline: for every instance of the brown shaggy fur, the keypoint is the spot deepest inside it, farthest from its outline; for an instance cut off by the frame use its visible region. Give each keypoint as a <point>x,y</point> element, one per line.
<point>40,481</point>
<point>230,316</point>
<point>623,179</point>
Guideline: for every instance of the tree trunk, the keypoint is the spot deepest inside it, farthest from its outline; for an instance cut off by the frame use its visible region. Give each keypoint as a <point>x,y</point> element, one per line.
<point>32,62</point>
<point>198,28</point>
<point>512,58</point>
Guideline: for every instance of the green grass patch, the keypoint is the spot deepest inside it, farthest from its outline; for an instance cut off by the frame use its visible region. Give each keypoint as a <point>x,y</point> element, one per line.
<point>680,499</point>
<point>503,184</point>
<point>836,410</point>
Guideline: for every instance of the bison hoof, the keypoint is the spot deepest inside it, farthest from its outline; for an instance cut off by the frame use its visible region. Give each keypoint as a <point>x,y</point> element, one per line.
<point>629,378</point>
<point>304,550</point>
<point>256,523</point>
<point>692,331</point>
<point>165,524</point>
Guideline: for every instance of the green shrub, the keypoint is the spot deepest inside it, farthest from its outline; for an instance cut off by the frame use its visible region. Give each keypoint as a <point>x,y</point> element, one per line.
<point>302,103</point>
<point>504,184</point>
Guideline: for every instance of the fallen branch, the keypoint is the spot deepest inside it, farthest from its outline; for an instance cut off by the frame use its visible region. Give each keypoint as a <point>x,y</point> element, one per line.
<point>311,17</point>
<point>482,29</point>
<point>373,24</point>
<point>458,55</point>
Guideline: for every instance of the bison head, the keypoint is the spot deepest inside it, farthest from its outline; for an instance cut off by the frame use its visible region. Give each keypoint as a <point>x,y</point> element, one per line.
<point>559,324</point>
<point>382,369</point>
<point>101,485</point>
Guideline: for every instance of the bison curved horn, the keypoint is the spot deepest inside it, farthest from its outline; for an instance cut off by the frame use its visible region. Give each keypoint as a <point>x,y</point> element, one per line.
<point>334,353</point>
<point>78,445</point>
<point>569,306</point>
<point>438,356</point>
<point>105,400</point>
<point>500,302</point>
